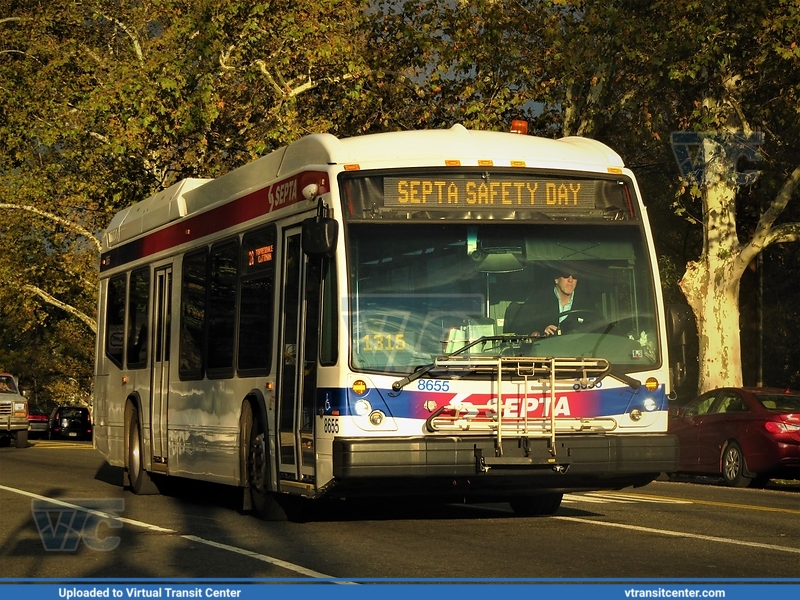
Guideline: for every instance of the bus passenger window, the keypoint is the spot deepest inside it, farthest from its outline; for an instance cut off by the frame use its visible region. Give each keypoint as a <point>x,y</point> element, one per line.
<point>257,289</point>
<point>115,319</point>
<point>222,307</point>
<point>138,301</point>
<point>193,315</point>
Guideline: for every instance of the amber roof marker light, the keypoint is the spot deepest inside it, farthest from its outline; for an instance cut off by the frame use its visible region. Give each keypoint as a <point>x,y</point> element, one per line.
<point>519,126</point>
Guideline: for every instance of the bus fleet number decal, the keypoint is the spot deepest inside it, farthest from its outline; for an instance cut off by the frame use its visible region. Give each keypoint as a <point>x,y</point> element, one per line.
<point>433,385</point>
<point>330,425</point>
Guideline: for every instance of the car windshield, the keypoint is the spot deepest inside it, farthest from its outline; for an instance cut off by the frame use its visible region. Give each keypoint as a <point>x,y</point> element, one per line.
<point>7,385</point>
<point>423,289</point>
<point>780,402</point>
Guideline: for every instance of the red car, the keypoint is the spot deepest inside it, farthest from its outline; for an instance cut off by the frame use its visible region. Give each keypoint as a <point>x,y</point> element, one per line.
<point>38,422</point>
<point>746,435</point>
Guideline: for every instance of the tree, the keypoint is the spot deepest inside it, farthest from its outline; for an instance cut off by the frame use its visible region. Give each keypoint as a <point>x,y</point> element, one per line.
<point>735,66</point>
<point>720,71</point>
<point>480,64</point>
<point>103,104</point>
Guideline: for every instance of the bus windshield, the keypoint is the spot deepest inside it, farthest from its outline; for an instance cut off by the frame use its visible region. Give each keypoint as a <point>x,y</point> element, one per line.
<point>423,289</point>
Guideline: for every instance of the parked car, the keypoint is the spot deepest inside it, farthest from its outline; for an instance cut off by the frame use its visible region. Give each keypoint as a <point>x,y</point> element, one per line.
<point>13,412</point>
<point>38,422</point>
<point>71,422</point>
<point>745,435</point>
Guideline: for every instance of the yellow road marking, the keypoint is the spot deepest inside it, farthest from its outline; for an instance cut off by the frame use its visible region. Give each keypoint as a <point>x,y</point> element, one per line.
<point>60,444</point>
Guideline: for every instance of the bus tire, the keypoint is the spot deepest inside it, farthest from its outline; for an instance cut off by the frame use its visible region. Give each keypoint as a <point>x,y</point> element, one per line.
<point>22,439</point>
<point>264,502</point>
<point>536,506</point>
<point>140,480</point>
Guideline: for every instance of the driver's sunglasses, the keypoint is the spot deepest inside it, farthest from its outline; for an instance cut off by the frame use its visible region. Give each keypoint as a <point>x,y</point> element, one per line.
<point>567,276</point>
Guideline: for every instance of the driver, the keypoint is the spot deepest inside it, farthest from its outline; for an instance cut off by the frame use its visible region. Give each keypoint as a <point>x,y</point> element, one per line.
<point>543,315</point>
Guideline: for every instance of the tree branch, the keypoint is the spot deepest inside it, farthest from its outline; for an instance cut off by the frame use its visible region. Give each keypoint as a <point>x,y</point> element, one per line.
<point>764,234</point>
<point>137,48</point>
<point>790,232</point>
<point>79,229</point>
<point>290,92</point>
<point>224,57</point>
<point>271,80</point>
<point>89,321</point>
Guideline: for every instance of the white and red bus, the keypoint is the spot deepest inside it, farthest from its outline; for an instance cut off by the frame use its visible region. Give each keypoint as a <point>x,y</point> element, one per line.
<point>336,319</point>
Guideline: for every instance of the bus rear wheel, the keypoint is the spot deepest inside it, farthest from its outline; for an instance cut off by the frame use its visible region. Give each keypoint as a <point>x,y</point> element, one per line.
<point>536,506</point>
<point>140,480</point>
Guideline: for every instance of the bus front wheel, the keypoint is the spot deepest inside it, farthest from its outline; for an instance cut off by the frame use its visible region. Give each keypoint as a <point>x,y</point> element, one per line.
<point>264,502</point>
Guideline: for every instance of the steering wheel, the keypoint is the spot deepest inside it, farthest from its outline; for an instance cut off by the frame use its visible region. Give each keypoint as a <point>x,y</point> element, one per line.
<point>581,319</point>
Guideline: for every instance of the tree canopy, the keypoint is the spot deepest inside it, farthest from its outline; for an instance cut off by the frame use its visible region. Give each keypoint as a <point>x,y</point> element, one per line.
<point>105,103</point>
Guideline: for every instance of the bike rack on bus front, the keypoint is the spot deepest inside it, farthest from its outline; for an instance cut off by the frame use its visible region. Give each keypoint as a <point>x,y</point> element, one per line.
<point>490,417</point>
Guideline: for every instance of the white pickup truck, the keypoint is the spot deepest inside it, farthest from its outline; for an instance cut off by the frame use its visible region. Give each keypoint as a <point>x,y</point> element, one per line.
<point>13,411</point>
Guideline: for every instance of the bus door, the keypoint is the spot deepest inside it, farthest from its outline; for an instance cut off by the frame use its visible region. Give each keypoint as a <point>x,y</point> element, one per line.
<point>159,376</point>
<point>299,337</point>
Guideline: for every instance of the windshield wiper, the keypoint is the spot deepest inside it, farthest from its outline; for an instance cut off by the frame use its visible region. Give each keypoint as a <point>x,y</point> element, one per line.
<point>634,383</point>
<point>398,385</point>
<point>425,369</point>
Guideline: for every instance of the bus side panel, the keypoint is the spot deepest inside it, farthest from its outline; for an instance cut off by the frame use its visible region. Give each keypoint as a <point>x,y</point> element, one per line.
<point>204,429</point>
<point>108,413</point>
<point>203,414</point>
<point>100,416</point>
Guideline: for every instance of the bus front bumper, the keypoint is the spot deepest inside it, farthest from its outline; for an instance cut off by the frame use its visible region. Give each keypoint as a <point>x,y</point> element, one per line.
<point>579,462</point>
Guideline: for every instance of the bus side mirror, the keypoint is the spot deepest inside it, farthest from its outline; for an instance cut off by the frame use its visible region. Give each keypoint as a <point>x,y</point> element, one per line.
<point>320,234</point>
<point>679,321</point>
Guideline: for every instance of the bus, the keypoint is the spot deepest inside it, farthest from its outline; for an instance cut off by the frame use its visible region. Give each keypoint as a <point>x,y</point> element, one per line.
<point>336,320</point>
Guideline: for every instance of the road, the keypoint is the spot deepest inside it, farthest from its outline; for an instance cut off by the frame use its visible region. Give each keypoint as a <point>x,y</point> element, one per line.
<point>664,530</point>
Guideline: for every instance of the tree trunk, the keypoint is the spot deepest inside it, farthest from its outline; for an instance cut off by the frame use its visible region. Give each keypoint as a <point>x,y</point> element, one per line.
<point>714,298</point>
<point>711,284</point>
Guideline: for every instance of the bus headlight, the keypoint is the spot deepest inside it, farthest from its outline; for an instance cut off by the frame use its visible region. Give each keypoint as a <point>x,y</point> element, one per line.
<point>649,404</point>
<point>376,417</point>
<point>636,414</point>
<point>362,407</point>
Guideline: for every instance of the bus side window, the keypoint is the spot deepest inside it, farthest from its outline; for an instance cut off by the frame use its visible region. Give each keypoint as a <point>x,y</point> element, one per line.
<point>256,293</point>
<point>138,301</point>
<point>330,318</point>
<point>193,315</point>
<point>115,319</point>
<point>222,308</point>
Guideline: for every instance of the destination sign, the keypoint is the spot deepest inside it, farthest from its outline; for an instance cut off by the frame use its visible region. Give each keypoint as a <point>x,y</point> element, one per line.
<point>499,191</point>
<point>258,251</point>
<point>257,256</point>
